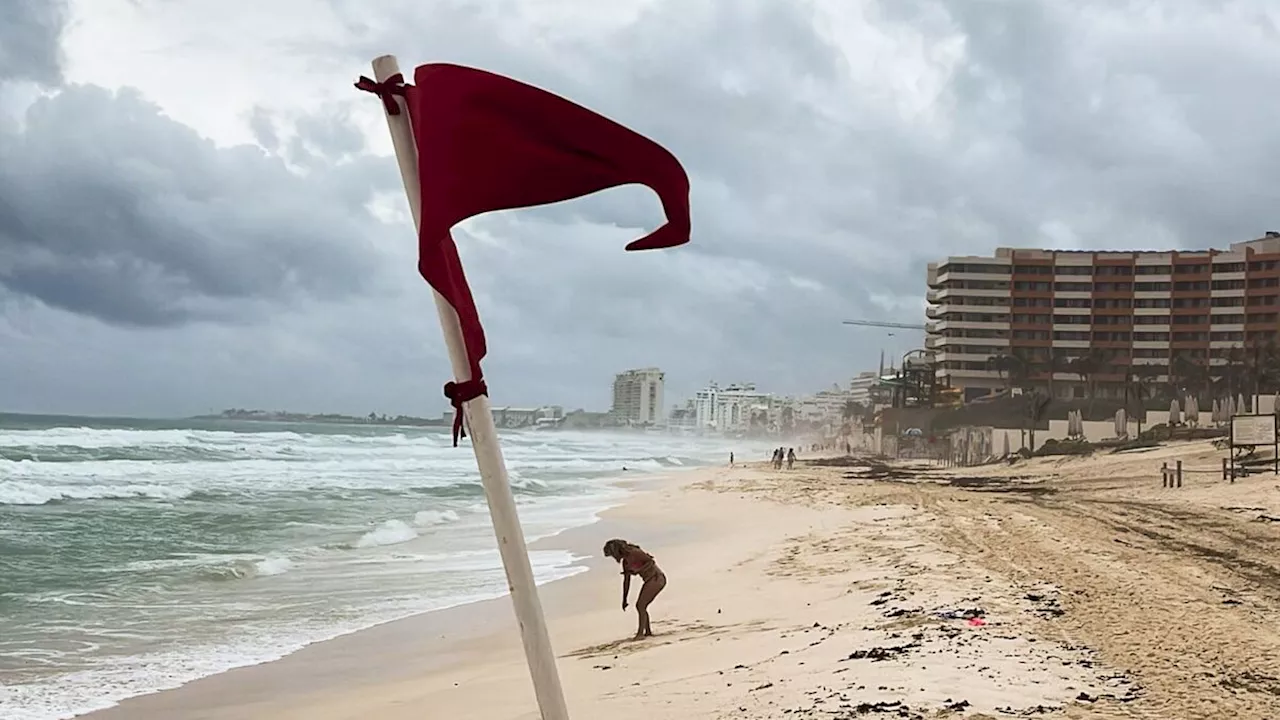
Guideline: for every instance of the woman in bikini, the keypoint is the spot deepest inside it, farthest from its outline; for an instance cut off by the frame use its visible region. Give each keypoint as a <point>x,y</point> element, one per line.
<point>635,561</point>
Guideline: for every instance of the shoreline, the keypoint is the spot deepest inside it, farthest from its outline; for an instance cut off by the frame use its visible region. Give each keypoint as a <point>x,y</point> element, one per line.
<point>457,625</point>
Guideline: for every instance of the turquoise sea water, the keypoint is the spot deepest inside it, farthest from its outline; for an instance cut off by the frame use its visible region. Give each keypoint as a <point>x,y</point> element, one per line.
<point>137,555</point>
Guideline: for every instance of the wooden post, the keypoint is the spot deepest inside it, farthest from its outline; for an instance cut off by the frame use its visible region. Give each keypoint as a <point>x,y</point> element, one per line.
<point>1164,474</point>
<point>1179,473</point>
<point>1226,475</point>
<point>484,441</point>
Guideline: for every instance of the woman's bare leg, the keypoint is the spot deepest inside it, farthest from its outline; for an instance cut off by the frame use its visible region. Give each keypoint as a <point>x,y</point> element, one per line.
<point>648,592</point>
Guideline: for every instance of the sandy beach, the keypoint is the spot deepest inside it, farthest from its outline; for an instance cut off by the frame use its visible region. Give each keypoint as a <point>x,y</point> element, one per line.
<point>1053,587</point>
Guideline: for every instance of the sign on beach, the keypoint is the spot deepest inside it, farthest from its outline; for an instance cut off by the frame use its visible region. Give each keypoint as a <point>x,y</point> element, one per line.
<point>1253,430</point>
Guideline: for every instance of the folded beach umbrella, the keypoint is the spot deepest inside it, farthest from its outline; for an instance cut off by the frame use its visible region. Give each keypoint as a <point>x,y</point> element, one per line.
<point>1217,411</point>
<point>1175,413</point>
<point>1006,443</point>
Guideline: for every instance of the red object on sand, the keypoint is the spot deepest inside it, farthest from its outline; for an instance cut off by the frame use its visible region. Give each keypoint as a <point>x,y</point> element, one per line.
<point>977,622</point>
<point>486,142</point>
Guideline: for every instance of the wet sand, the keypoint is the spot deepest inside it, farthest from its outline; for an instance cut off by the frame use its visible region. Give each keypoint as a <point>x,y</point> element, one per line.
<point>1057,588</point>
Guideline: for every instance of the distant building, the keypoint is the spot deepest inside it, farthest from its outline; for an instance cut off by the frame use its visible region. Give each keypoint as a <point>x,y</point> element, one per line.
<point>583,420</point>
<point>824,406</point>
<point>732,408</point>
<point>861,387</point>
<point>638,397</point>
<point>1029,312</point>
<point>510,417</point>
<point>684,417</point>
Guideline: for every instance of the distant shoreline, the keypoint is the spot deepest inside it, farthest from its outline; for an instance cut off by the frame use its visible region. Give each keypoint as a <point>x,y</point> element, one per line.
<point>330,418</point>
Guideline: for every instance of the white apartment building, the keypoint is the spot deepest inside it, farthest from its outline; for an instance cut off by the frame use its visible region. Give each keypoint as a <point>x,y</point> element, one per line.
<point>638,397</point>
<point>730,408</point>
<point>823,406</point>
<point>860,387</point>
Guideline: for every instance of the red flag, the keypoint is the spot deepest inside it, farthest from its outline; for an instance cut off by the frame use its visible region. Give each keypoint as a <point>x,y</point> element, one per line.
<point>486,142</point>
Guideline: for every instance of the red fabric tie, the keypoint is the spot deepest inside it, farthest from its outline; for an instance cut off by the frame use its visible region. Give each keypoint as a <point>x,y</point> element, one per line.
<point>387,90</point>
<point>458,393</point>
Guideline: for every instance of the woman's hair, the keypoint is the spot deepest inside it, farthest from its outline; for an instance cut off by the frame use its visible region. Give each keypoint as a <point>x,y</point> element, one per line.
<point>617,548</point>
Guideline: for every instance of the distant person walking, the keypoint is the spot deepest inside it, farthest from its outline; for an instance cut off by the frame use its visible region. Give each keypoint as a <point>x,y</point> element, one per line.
<point>730,459</point>
<point>791,458</point>
<point>635,561</point>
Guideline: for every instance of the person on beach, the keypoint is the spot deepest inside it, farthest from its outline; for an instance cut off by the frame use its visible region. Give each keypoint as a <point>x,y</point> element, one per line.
<point>791,458</point>
<point>635,561</point>
<point>731,459</point>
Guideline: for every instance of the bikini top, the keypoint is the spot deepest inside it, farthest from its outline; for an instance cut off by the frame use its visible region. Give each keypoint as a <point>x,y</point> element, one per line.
<point>637,562</point>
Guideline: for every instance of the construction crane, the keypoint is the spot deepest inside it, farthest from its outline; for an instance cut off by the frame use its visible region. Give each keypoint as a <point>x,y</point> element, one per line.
<point>879,324</point>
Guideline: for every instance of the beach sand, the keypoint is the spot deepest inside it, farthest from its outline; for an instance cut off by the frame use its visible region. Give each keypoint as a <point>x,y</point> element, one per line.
<point>1074,588</point>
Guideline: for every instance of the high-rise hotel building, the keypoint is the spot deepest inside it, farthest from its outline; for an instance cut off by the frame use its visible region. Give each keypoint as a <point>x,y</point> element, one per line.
<point>637,397</point>
<point>1131,308</point>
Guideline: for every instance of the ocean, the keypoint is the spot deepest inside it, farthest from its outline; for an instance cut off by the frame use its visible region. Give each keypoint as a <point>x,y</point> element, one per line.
<point>138,555</point>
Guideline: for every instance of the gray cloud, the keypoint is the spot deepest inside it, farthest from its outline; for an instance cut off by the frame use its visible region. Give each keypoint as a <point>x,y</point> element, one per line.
<point>833,150</point>
<point>29,37</point>
<point>110,209</point>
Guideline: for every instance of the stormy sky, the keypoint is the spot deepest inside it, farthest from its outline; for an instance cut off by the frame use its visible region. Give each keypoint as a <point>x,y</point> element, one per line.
<point>197,211</point>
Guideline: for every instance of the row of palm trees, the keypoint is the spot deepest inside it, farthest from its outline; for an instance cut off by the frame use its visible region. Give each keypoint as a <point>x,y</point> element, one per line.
<point>1244,370</point>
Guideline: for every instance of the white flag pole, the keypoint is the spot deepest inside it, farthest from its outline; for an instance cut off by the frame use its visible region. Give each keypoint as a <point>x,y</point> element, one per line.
<point>484,440</point>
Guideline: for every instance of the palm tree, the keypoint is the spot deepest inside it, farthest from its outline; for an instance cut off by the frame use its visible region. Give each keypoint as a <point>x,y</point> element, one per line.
<point>1139,386</point>
<point>1052,364</point>
<point>1087,367</point>
<point>1232,377</point>
<point>850,410</point>
<point>1037,404</point>
<point>1011,368</point>
<point>789,418</point>
<point>1187,375</point>
<point>1263,359</point>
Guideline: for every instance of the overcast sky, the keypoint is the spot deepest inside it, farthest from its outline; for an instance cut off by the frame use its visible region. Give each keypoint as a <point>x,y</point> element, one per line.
<point>198,211</point>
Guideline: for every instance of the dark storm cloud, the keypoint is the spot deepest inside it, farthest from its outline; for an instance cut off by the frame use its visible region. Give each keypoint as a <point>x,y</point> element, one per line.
<point>29,34</point>
<point>110,209</point>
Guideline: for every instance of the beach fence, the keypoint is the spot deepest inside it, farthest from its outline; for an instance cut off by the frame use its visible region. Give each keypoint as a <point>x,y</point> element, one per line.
<point>1171,475</point>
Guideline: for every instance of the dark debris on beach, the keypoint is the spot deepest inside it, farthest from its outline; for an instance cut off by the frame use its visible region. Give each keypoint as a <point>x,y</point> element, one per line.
<point>838,706</point>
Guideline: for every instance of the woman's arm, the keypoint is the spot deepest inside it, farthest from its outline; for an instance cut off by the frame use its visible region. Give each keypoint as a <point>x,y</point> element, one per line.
<point>626,588</point>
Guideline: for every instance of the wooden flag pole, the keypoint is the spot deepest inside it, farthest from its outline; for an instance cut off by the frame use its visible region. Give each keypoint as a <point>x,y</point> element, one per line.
<point>484,440</point>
